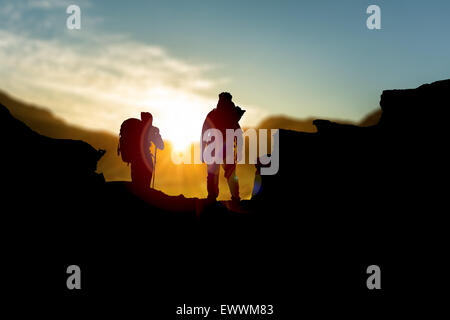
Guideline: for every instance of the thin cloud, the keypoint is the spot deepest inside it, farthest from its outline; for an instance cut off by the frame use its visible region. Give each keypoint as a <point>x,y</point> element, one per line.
<point>50,4</point>
<point>40,16</point>
<point>96,80</point>
<point>97,83</point>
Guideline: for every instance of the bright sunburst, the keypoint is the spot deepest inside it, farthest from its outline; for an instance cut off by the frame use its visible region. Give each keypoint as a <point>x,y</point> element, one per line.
<point>182,125</point>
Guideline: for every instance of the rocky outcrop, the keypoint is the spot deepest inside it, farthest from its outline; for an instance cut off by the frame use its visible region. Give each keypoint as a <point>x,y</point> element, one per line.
<point>349,173</point>
<point>344,198</point>
<point>416,111</point>
<point>28,156</point>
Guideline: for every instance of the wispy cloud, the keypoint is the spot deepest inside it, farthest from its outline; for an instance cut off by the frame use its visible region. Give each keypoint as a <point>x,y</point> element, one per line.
<point>50,4</point>
<point>39,16</point>
<point>90,81</point>
<point>96,80</point>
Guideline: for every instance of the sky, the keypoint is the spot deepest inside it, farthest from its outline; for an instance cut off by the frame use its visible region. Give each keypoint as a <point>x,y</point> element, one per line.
<point>172,58</point>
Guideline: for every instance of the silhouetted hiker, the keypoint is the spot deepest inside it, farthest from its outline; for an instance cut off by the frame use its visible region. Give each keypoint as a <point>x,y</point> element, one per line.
<point>136,137</point>
<point>225,116</point>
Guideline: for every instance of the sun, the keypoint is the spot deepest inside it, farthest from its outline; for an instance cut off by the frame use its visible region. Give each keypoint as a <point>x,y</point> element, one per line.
<point>182,129</point>
<point>179,141</point>
<point>179,115</point>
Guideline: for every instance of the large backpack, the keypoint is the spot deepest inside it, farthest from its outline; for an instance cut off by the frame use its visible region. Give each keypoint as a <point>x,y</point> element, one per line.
<point>129,139</point>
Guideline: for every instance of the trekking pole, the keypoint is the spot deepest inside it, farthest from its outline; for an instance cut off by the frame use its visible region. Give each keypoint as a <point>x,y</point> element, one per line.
<point>154,169</point>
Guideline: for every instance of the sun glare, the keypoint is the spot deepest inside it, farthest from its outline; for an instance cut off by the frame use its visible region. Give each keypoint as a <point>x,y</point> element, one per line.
<point>179,115</point>
<point>182,128</point>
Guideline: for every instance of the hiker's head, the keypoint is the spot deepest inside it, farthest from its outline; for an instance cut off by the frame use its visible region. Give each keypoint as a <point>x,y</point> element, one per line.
<point>146,117</point>
<point>225,101</point>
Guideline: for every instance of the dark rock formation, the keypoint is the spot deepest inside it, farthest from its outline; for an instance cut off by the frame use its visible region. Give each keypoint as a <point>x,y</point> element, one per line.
<point>374,192</point>
<point>344,198</point>
<point>386,165</point>
<point>28,155</point>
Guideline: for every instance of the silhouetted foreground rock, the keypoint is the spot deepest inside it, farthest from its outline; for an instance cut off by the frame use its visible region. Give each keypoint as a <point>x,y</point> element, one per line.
<point>29,157</point>
<point>389,169</point>
<point>344,198</point>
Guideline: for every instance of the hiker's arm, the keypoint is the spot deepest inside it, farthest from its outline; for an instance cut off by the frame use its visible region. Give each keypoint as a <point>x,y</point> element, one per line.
<point>156,138</point>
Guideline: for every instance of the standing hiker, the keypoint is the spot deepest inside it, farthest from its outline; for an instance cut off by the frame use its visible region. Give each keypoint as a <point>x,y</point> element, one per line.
<point>225,116</point>
<point>136,137</point>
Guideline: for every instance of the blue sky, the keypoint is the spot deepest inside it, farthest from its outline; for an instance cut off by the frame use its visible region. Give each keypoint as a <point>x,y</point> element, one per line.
<point>299,58</point>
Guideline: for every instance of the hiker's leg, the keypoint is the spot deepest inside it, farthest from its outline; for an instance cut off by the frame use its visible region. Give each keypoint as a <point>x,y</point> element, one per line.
<point>232,179</point>
<point>135,176</point>
<point>140,175</point>
<point>213,180</point>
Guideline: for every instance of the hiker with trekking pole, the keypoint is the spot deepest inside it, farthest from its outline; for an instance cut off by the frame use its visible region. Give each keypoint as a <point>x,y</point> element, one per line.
<point>136,137</point>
